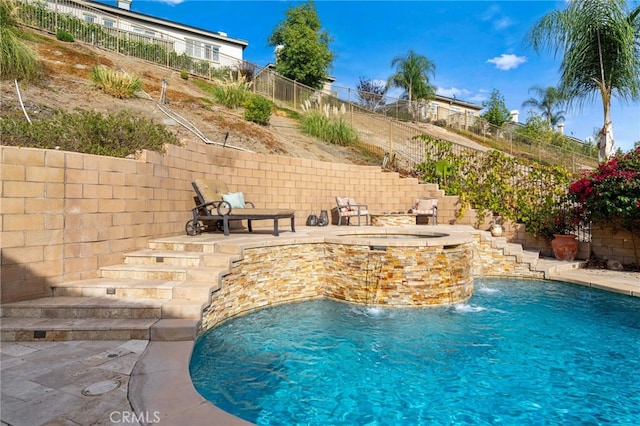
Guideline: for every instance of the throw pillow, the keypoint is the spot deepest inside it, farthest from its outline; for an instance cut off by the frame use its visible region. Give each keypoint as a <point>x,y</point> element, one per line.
<point>343,204</point>
<point>235,199</point>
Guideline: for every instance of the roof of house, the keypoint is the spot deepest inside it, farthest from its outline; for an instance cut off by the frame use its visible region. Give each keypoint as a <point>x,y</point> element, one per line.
<point>454,101</point>
<point>142,18</point>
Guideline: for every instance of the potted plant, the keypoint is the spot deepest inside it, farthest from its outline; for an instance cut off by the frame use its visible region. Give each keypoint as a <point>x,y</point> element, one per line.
<point>496,226</point>
<point>562,227</point>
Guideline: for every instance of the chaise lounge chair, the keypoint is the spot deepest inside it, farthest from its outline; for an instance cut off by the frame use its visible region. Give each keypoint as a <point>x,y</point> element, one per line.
<point>217,206</point>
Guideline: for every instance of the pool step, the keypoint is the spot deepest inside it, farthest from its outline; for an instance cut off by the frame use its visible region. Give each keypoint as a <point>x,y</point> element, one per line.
<point>84,307</point>
<point>17,329</point>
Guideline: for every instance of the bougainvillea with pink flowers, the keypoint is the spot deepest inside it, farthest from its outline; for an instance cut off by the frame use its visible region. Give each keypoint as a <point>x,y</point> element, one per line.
<point>610,195</point>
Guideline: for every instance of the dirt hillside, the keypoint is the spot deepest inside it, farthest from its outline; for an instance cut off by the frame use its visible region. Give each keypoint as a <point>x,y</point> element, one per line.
<point>67,86</point>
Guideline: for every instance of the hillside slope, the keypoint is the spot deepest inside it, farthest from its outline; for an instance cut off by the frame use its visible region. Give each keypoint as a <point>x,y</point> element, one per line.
<point>67,86</point>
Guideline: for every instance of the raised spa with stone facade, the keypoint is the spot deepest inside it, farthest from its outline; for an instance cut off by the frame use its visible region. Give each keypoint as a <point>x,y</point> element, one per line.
<point>395,270</point>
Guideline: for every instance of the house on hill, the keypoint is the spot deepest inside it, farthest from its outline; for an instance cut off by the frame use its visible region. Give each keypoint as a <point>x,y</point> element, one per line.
<point>454,111</point>
<point>136,34</point>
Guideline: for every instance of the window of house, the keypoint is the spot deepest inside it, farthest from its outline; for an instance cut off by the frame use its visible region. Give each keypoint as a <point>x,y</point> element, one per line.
<point>109,23</point>
<point>89,18</point>
<point>211,53</point>
<point>197,49</point>
<point>193,48</point>
<point>144,31</point>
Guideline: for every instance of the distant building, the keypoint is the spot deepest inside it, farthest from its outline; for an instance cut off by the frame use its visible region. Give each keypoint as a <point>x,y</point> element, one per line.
<point>453,111</point>
<point>215,48</point>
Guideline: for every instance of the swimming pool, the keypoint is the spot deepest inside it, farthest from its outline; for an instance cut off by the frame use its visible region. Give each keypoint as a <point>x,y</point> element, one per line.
<point>518,352</point>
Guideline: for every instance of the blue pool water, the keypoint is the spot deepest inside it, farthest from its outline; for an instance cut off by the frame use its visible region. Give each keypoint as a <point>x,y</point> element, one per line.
<point>519,352</point>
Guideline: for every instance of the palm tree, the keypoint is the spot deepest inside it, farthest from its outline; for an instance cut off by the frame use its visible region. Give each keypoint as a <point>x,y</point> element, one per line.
<point>600,45</point>
<point>547,101</point>
<point>412,75</point>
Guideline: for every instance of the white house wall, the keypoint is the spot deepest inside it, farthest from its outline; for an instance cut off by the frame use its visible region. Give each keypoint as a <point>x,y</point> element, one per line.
<point>229,52</point>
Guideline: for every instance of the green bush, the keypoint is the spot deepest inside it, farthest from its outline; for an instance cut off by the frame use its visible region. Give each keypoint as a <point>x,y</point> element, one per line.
<point>257,109</point>
<point>231,91</point>
<point>336,132</point>
<point>519,190</point>
<point>64,35</point>
<point>89,132</point>
<point>116,83</point>
<point>184,75</point>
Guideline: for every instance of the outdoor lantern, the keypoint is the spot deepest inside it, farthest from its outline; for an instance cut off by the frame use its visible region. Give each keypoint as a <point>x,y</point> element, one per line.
<point>324,218</point>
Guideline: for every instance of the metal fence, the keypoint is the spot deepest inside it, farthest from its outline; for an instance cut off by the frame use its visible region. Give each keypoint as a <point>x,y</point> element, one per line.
<point>392,125</point>
<point>389,127</point>
<point>80,20</point>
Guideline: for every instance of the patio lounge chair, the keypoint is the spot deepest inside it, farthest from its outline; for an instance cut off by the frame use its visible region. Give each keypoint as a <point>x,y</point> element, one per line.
<point>426,207</point>
<point>216,205</point>
<point>348,208</point>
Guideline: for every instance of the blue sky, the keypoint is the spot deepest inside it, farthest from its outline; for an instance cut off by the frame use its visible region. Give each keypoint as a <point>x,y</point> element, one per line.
<point>477,46</point>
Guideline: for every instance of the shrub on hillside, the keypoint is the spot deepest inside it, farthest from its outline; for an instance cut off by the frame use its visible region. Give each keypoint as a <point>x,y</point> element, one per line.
<point>257,109</point>
<point>231,92</point>
<point>116,83</point>
<point>336,131</point>
<point>64,35</point>
<point>89,132</point>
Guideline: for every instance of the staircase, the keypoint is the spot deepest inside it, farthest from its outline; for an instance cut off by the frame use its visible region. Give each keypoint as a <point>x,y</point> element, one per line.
<point>156,294</point>
<point>159,293</point>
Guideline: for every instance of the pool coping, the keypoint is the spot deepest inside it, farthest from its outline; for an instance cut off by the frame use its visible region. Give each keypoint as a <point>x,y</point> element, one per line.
<point>160,381</point>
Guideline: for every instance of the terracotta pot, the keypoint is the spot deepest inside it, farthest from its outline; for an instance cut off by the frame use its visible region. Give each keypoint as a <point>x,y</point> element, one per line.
<point>565,247</point>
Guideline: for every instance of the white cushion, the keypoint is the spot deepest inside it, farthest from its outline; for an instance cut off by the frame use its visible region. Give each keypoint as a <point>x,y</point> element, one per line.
<point>425,206</point>
<point>235,199</point>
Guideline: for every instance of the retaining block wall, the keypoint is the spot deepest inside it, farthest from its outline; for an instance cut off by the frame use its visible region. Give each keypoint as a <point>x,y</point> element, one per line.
<point>65,215</point>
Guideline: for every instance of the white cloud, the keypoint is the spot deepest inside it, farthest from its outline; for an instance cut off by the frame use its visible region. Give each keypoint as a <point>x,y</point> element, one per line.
<point>171,2</point>
<point>502,23</point>
<point>507,61</point>
<point>452,92</point>
<point>481,96</point>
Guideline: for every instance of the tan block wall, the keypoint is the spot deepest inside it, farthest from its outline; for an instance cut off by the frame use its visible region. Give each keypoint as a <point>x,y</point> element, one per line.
<point>65,215</point>
<point>610,244</point>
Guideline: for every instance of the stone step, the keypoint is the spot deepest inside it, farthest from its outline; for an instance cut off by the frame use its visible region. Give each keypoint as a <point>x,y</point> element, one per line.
<point>175,330</point>
<point>84,307</point>
<point>191,244</point>
<point>183,309</point>
<point>163,272</point>
<point>511,249</point>
<point>531,257</point>
<point>159,257</point>
<point>116,288</point>
<point>56,329</point>
<point>194,290</point>
<point>144,272</point>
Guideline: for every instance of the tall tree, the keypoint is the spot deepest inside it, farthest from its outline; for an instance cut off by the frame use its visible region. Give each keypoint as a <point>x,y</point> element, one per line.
<point>412,75</point>
<point>547,102</point>
<point>371,93</point>
<point>496,111</point>
<point>599,41</point>
<point>302,47</point>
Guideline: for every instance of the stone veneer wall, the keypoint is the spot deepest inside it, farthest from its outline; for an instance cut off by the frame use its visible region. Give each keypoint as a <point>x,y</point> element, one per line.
<point>65,215</point>
<point>400,276</point>
<point>492,262</point>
